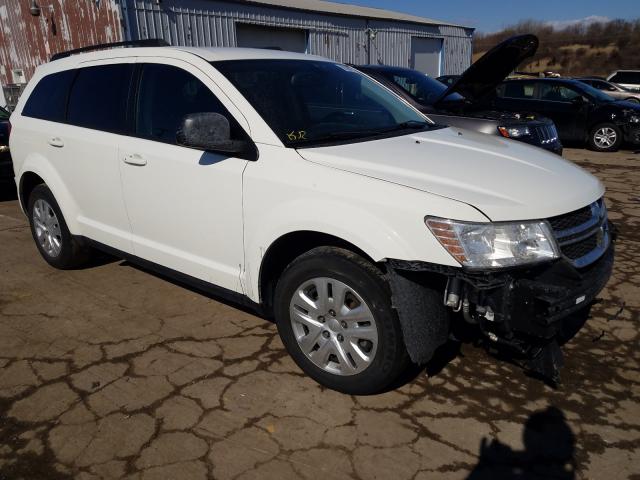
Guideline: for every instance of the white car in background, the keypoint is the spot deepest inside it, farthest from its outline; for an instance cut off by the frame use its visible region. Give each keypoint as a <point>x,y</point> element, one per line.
<point>626,78</point>
<point>303,188</point>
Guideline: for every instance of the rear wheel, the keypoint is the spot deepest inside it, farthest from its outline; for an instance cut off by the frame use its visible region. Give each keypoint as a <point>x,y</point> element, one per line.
<point>335,318</point>
<point>49,230</point>
<point>606,137</point>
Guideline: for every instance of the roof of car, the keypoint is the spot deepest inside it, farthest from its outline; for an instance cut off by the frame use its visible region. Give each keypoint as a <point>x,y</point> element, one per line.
<point>209,54</point>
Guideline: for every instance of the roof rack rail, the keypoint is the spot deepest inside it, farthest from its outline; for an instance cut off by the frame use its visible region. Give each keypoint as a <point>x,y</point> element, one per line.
<point>150,42</point>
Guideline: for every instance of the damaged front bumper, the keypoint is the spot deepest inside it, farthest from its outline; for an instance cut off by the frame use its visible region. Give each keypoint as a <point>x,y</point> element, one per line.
<point>527,310</point>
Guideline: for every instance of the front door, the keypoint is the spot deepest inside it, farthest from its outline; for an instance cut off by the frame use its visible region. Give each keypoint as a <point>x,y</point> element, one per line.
<point>566,107</point>
<point>185,205</point>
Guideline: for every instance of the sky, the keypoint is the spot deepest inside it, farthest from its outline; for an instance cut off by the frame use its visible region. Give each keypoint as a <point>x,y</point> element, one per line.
<point>491,15</point>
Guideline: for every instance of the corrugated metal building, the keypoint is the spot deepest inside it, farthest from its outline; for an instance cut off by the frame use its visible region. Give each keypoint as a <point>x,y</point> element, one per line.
<point>345,33</point>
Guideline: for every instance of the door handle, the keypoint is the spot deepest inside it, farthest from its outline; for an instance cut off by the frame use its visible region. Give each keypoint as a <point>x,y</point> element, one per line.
<point>135,159</point>
<point>56,142</point>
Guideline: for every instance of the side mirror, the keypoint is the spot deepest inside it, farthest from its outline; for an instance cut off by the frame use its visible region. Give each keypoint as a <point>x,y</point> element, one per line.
<point>209,131</point>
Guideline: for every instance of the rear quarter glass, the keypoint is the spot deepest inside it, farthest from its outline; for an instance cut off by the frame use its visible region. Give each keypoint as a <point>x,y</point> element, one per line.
<point>49,97</point>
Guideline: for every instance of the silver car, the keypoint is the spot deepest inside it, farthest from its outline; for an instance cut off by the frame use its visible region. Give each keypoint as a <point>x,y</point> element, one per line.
<point>613,89</point>
<point>626,78</point>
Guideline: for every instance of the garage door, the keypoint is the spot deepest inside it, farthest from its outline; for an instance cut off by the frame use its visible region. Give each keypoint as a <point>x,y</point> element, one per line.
<point>426,54</point>
<point>257,36</point>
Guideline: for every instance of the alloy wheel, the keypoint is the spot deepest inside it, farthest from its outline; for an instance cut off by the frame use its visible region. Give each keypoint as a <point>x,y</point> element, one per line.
<point>333,325</point>
<point>47,228</point>
<point>605,137</point>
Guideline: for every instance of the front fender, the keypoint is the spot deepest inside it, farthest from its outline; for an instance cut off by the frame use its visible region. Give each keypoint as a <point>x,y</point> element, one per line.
<point>284,193</point>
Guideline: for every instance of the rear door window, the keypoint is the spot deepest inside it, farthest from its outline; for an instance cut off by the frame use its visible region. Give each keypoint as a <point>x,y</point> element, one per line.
<point>99,97</point>
<point>48,101</point>
<point>166,94</point>
<point>517,90</point>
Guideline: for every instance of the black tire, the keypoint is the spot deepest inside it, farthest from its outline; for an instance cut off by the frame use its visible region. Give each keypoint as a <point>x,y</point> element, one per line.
<point>390,359</point>
<point>598,146</point>
<point>73,253</point>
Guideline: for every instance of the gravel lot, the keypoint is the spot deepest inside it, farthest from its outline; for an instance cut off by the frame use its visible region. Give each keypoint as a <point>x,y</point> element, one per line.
<point>113,372</point>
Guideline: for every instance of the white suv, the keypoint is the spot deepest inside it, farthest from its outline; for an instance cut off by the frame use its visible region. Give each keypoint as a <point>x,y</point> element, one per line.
<point>308,190</point>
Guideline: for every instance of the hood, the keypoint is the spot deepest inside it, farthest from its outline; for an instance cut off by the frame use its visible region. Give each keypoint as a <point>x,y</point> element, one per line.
<point>505,179</point>
<point>483,76</point>
<point>630,108</point>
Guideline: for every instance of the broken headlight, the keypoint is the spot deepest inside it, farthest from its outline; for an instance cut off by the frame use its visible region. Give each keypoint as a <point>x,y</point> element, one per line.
<point>494,245</point>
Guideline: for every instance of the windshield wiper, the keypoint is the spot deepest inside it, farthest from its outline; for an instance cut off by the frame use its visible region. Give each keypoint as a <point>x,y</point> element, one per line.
<point>410,125</point>
<point>353,134</point>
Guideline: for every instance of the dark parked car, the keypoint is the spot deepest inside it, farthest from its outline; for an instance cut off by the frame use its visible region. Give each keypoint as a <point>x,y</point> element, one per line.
<point>581,113</point>
<point>613,89</point>
<point>6,168</point>
<point>457,105</point>
<point>448,80</point>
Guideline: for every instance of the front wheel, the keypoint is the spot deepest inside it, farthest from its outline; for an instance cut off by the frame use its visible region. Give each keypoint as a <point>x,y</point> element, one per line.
<point>335,319</point>
<point>606,137</point>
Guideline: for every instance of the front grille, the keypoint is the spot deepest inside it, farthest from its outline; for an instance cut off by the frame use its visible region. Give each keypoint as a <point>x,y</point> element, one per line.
<point>577,250</point>
<point>583,235</point>
<point>545,134</point>
<point>571,220</point>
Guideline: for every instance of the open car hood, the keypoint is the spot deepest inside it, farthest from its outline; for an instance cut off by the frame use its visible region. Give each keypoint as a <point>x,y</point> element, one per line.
<point>487,72</point>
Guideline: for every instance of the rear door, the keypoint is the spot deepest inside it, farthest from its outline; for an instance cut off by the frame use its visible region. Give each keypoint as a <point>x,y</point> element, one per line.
<point>42,122</point>
<point>88,145</point>
<point>185,205</point>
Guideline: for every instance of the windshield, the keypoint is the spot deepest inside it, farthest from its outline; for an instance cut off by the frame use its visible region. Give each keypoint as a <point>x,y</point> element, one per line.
<point>421,87</point>
<point>307,102</point>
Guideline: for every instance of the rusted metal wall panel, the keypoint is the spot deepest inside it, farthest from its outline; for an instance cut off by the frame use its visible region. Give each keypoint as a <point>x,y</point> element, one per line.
<point>26,41</point>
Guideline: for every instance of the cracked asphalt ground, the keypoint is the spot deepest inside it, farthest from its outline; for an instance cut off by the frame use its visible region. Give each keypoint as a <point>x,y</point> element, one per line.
<point>113,372</point>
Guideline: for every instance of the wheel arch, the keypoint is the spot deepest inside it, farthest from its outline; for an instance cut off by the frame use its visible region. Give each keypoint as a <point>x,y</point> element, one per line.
<point>287,248</point>
<point>28,181</point>
<point>36,171</point>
